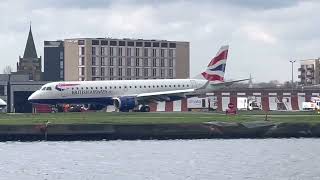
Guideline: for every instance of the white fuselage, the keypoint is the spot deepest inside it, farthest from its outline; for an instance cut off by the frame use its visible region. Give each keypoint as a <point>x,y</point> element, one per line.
<point>103,91</point>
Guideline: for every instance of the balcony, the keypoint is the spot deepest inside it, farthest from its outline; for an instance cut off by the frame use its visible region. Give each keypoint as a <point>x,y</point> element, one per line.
<point>301,69</point>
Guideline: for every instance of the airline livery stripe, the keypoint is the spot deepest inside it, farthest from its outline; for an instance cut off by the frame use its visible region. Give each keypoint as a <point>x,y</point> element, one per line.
<point>221,67</point>
<point>212,77</point>
<point>223,55</point>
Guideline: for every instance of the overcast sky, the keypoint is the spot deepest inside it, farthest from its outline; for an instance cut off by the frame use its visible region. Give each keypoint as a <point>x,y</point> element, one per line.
<point>263,35</point>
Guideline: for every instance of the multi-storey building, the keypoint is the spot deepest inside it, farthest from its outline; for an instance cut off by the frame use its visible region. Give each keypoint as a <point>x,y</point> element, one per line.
<point>53,61</point>
<point>116,59</point>
<point>309,72</point>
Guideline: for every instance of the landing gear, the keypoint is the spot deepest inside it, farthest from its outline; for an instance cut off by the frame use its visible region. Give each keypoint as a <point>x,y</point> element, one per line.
<point>145,109</point>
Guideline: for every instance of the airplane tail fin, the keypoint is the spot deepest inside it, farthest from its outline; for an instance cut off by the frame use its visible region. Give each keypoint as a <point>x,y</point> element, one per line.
<point>215,70</point>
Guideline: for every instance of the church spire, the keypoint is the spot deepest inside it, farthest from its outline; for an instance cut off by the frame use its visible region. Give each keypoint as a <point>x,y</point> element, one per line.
<point>30,50</point>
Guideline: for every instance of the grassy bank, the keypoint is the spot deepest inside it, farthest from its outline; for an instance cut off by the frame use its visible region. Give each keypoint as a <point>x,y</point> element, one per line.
<point>154,118</point>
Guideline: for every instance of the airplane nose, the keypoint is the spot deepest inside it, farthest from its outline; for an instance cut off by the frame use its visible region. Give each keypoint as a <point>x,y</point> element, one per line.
<point>32,97</point>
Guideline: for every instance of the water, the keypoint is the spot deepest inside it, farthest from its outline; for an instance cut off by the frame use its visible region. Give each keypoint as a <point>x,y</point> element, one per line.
<point>172,159</point>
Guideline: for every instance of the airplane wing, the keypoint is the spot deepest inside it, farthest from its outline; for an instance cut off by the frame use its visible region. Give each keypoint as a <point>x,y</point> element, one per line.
<point>163,95</point>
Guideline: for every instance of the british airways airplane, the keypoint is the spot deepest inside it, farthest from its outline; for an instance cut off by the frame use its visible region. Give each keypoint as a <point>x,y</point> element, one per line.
<point>127,95</point>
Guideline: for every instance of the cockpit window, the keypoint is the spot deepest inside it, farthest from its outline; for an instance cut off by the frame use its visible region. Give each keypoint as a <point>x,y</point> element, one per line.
<point>49,88</point>
<point>44,88</point>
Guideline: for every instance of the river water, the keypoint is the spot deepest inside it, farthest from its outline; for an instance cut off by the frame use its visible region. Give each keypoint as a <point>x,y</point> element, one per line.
<point>164,159</point>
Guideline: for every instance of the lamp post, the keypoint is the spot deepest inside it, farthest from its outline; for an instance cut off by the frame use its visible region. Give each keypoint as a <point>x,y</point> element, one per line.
<point>292,61</point>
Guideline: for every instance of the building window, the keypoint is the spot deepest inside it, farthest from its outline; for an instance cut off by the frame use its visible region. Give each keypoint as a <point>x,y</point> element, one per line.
<point>102,51</point>
<point>147,44</point>
<point>119,51</point>
<point>172,45</point>
<point>120,72</point>
<point>130,43</point>
<point>164,44</point>
<point>95,42</point>
<point>170,52</point>
<point>104,42</point>
<point>170,73</point>
<point>81,71</point>
<point>111,61</point>
<point>94,61</point>
<point>154,62</point>
<point>61,64</point>
<point>145,72</point>
<point>137,62</point>
<point>145,52</point>
<point>81,62</point>
<point>113,43</point>
<point>82,51</point>
<point>111,51</point>
<point>170,62</point>
<point>162,62</point>
<point>102,61</point>
<point>80,42</point>
<point>129,72</point>
<point>155,44</point>
<point>94,71</point>
<point>122,43</point>
<point>162,73</point>
<point>145,62</point>
<point>154,72</point>
<point>128,61</point>
<point>61,74</point>
<point>111,72</point>
<point>139,44</point>
<point>128,51</point>
<point>93,50</point>
<point>137,72</point>
<point>154,52</point>
<point>119,61</point>
<point>61,54</point>
<point>162,52</point>
<point>137,52</point>
<point>102,72</point>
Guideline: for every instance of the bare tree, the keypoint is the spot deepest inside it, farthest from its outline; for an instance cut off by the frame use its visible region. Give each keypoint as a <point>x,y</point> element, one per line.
<point>7,70</point>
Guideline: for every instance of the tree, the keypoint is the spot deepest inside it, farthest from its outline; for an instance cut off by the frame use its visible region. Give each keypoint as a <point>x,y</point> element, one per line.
<point>7,70</point>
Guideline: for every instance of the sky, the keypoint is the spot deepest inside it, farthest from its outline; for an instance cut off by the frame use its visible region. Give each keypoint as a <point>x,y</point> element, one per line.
<point>263,36</point>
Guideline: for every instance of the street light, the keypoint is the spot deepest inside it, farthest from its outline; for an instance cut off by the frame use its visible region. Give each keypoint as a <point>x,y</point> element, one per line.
<point>292,61</point>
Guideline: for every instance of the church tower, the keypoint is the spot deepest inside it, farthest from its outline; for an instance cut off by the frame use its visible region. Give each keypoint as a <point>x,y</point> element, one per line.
<point>30,64</point>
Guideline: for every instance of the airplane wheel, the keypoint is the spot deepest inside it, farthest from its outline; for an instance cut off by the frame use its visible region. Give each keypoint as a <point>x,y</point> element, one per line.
<point>145,109</point>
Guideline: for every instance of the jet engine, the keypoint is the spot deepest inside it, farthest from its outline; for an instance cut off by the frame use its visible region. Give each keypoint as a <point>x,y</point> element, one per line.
<point>125,103</point>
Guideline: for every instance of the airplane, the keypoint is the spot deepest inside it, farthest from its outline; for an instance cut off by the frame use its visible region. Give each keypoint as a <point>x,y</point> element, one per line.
<point>2,104</point>
<point>127,95</point>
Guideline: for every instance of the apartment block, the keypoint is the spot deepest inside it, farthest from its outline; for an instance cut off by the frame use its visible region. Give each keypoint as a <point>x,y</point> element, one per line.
<point>116,59</point>
<point>309,72</point>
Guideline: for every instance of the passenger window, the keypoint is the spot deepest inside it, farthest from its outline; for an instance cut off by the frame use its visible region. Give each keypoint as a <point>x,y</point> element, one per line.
<point>149,86</point>
<point>119,87</point>
<point>72,88</point>
<point>182,85</point>
<point>81,87</point>
<point>87,88</point>
<point>187,85</point>
<point>91,87</point>
<point>165,85</point>
<point>179,85</point>
<point>115,87</point>
<point>169,85</point>
<point>106,87</point>
<point>144,86</point>
<point>125,87</point>
<point>174,85</point>
<point>96,87</point>
<point>153,86</point>
<point>129,86</point>
<point>100,87</point>
<point>110,87</point>
<point>135,86</point>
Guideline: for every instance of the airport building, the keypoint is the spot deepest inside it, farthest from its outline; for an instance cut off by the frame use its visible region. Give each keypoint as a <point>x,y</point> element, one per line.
<point>88,59</point>
<point>309,72</point>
